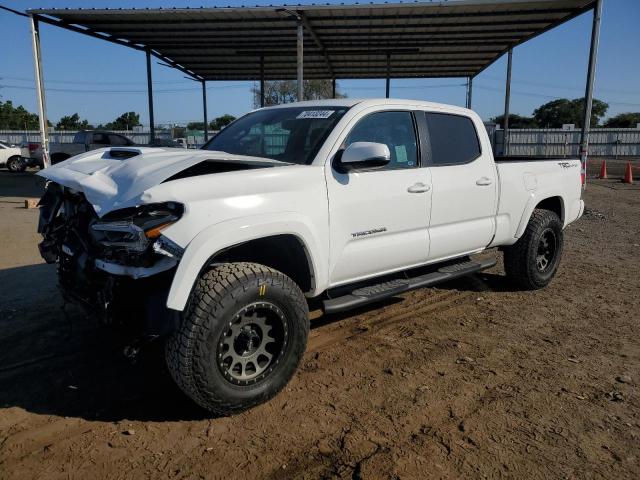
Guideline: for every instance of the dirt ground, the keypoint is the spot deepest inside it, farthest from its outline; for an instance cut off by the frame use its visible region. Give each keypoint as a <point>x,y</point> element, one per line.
<point>470,380</point>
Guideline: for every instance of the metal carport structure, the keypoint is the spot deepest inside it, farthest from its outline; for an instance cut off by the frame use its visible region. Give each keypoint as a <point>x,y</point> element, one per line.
<point>456,38</point>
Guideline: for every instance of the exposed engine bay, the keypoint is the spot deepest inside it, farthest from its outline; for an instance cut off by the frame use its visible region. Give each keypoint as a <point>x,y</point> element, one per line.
<point>119,267</point>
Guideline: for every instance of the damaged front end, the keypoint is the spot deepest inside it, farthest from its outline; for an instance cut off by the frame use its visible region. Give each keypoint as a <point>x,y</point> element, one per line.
<point>119,267</point>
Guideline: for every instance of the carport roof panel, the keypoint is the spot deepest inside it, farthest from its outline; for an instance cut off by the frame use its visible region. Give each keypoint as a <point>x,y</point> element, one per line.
<point>456,38</point>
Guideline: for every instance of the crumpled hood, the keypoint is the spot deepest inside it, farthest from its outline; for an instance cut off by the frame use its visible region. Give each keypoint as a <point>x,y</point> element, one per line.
<point>109,181</point>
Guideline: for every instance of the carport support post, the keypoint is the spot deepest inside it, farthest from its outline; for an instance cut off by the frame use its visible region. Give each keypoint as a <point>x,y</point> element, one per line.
<point>300,60</point>
<point>469,90</point>
<point>333,87</point>
<point>152,128</point>
<point>388,84</point>
<point>42,110</point>
<point>507,99</point>
<point>262,81</point>
<point>204,110</point>
<point>588,96</point>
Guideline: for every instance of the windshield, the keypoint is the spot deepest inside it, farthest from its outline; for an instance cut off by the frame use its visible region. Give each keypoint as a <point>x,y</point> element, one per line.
<point>292,135</point>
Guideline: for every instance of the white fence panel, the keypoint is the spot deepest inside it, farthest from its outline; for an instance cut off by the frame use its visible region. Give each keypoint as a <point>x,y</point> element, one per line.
<point>18,137</point>
<point>603,142</point>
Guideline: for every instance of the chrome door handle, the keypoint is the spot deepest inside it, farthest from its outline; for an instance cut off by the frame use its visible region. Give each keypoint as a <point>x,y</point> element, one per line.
<point>418,188</point>
<point>483,181</point>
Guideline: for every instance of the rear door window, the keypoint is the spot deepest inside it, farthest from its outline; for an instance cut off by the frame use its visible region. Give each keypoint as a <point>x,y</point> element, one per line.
<point>453,139</point>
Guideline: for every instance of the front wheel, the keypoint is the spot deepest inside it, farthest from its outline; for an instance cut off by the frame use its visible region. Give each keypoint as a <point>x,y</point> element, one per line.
<point>241,337</point>
<point>533,260</point>
<point>16,165</point>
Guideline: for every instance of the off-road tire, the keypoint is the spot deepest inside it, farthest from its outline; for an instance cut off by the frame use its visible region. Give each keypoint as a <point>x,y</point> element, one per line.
<point>191,352</point>
<point>15,164</point>
<point>520,259</point>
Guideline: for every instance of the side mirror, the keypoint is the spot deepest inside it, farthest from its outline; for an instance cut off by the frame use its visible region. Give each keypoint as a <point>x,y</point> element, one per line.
<point>363,156</point>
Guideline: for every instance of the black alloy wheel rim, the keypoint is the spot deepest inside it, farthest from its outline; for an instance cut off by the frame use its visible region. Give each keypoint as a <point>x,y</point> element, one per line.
<point>547,248</point>
<point>253,343</point>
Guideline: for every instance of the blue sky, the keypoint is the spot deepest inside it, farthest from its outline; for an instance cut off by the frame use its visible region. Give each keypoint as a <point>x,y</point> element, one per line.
<point>100,80</point>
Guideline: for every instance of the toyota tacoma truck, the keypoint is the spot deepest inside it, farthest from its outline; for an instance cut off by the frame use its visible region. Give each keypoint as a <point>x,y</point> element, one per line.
<point>343,202</point>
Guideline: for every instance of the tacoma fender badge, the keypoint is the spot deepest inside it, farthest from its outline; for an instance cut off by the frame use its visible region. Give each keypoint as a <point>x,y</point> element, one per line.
<point>368,232</point>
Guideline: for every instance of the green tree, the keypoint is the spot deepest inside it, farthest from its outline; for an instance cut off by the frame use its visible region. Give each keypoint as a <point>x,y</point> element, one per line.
<point>73,122</point>
<point>17,118</point>
<point>515,121</point>
<point>277,92</point>
<point>219,123</point>
<point>195,126</point>
<point>126,121</point>
<point>557,112</point>
<point>623,120</point>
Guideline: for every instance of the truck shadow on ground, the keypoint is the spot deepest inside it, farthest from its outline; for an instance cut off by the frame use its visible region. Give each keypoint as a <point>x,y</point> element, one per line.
<point>62,363</point>
<point>22,185</point>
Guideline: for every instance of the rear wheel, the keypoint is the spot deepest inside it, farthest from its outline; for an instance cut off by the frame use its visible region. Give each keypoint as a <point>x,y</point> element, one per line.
<point>15,164</point>
<point>533,260</point>
<point>241,338</point>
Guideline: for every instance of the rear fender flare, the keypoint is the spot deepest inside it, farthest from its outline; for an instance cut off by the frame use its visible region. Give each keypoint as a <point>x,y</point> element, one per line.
<point>534,200</point>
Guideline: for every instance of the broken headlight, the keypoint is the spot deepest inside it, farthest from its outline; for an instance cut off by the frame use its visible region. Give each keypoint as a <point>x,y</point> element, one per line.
<point>132,229</point>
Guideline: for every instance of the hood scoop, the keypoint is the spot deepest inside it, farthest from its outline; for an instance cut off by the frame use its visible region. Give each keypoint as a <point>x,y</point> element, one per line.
<point>209,167</point>
<point>123,153</point>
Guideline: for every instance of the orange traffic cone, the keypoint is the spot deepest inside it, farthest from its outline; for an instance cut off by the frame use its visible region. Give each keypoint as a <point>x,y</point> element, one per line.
<point>603,169</point>
<point>628,174</point>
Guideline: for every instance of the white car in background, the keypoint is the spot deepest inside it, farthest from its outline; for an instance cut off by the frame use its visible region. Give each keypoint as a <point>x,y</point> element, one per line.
<point>10,157</point>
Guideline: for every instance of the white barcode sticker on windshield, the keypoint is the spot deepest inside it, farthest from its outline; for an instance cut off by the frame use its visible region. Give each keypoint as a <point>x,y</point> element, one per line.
<point>315,114</point>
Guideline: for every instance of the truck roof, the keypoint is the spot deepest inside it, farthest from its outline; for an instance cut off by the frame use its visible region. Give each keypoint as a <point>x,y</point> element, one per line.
<point>350,102</point>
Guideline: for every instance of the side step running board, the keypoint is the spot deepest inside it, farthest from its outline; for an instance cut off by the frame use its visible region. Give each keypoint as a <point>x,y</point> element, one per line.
<point>376,292</point>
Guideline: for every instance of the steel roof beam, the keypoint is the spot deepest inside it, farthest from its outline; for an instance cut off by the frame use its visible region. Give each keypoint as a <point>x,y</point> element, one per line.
<point>174,19</point>
<point>255,71</point>
<point>390,46</point>
<point>112,39</point>
<point>425,61</point>
<point>242,28</point>
<point>339,36</point>
<point>336,53</point>
<point>231,41</point>
<point>551,26</point>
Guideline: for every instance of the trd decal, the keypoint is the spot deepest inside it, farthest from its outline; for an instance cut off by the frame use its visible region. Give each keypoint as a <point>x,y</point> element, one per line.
<point>567,164</point>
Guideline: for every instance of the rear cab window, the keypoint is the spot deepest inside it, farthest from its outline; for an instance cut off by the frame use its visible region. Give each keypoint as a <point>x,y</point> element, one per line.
<point>452,139</point>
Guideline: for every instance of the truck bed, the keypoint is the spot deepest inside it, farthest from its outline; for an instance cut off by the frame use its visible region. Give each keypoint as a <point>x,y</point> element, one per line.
<point>530,158</point>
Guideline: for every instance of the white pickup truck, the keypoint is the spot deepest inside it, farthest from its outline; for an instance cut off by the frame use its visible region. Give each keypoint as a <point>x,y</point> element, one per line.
<point>344,201</point>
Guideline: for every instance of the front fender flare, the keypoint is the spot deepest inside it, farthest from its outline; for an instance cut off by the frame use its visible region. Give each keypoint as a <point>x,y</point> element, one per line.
<point>223,235</point>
